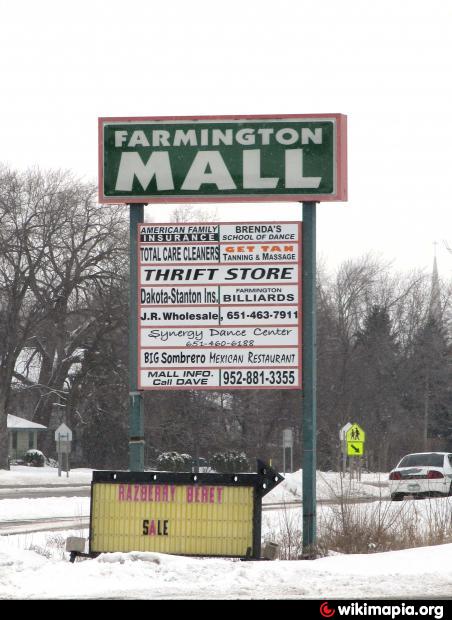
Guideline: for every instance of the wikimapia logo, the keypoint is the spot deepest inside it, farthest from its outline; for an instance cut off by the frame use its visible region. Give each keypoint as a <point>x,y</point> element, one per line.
<point>326,611</point>
<point>393,611</point>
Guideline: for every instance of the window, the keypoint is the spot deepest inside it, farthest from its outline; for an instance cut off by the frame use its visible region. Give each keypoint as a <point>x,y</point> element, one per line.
<point>421,460</point>
<point>31,440</point>
<point>14,439</point>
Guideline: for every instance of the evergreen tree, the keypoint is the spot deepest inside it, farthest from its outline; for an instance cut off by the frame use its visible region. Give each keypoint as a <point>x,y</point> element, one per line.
<point>429,399</point>
<point>375,370</point>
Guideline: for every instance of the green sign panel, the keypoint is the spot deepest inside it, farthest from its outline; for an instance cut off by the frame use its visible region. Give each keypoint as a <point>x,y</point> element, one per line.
<point>214,159</point>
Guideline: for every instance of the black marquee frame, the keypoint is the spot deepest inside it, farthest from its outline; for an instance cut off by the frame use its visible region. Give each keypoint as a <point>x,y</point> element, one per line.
<point>263,482</point>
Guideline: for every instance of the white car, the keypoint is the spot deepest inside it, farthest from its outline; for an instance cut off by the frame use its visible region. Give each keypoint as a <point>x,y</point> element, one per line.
<point>421,475</point>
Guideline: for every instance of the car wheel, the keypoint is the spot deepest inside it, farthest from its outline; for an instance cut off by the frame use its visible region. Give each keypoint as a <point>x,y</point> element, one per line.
<point>396,497</point>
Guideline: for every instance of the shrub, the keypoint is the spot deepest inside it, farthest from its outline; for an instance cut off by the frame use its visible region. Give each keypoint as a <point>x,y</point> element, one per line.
<point>229,462</point>
<point>53,547</point>
<point>173,461</point>
<point>34,458</point>
<point>287,533</point>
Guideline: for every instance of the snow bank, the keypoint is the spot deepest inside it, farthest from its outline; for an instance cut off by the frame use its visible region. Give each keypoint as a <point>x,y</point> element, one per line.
<point>330,486</point>
<point>424,572</point>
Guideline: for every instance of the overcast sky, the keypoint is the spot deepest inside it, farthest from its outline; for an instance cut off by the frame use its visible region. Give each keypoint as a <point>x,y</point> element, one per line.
<point>386,65</point>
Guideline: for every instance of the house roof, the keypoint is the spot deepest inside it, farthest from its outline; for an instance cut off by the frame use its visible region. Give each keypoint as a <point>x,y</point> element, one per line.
<point>16,423</point>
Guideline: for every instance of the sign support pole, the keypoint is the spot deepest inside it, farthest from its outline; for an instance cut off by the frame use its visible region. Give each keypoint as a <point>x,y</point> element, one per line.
<point>309,378</point>
<point>136,424</point>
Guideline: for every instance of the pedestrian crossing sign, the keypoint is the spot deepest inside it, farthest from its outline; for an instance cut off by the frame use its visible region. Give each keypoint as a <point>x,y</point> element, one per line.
<point>355,448</point>
<point>355,433</point>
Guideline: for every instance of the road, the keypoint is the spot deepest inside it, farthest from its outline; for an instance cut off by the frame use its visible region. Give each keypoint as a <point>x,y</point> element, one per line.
<point>50,490</point>
<point>51,524</point>
<point>42,524</point>
<point>47,524</point>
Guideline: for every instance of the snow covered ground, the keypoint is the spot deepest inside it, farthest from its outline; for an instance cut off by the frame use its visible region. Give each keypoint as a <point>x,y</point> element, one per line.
<point>20,475</point>
<point>36,565</point>
<point>330,486</point>
<point>414,573</point>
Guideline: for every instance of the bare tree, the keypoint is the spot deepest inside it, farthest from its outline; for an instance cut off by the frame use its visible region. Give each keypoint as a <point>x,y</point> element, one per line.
<point>371,383</point>
<point>83,259</point>
<point>58,251</point>
<point>190,213</point>
<point>30,214</point>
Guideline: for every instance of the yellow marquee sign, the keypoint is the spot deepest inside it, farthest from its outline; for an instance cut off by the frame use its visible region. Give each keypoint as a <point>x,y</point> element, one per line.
<point>182,514</point>
<point>183,519</point>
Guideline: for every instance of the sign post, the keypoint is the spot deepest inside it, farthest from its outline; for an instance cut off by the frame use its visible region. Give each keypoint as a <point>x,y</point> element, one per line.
<point>343,442</point>
<point>287,449</point>
<point>63,438</point>
<point>309,379</point>
<point>136,422</point>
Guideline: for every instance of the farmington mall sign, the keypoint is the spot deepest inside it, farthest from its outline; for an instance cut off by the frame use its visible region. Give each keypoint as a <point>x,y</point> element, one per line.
<point>229,158</point>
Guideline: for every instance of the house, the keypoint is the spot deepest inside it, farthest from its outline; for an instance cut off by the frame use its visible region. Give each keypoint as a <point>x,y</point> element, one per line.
<point>23,436</point>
